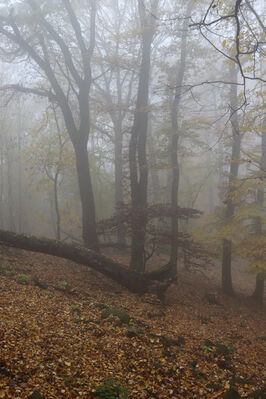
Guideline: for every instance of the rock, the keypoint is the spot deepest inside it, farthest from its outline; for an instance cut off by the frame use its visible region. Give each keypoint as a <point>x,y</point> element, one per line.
<point>40,284</point>
<point>132,332</point>
<point>231,394</point>
<point>35,395</point>
<point>4,369</point>
<point>224,364</point>
<point>181,340</point>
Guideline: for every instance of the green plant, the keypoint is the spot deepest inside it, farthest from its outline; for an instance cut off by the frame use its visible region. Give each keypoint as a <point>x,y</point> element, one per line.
<point>65,285</point>
<point>48,293</point>
<point>76,309</point>
<point>206,349</point>
<point>5,270</point>
<point>119,315</point>
<point>110,389</point>
<point>23,279</point>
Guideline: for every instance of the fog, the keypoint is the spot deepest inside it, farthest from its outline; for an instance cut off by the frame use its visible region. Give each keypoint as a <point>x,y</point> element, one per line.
<point>132,198</point>
<point>110,110</point>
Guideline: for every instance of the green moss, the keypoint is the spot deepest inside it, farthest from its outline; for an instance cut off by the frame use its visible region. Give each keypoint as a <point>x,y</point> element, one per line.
<point>24,279</point>
<point>5,270</point>
<point>119,316</point>
<point>65,285</point>
<point>76,309</point>
<point>48,293</point>
<point>110,389</point>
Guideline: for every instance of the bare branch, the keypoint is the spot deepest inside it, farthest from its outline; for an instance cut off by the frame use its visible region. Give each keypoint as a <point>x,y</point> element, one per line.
<point>256,15</point>
<point>29,90</point>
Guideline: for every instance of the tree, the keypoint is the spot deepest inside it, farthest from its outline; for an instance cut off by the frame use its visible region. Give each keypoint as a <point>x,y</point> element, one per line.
<point>227,285</point>
<point>259,290</point>
<point>137,146</point>
<point>50,153</point>
<point>116,58</point>
<point>64,59</point>
<point>244,50</point>
<point>175,139</point>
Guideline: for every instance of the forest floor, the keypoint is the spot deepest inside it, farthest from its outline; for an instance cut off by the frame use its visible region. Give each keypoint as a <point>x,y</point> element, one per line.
<point>65,329</point>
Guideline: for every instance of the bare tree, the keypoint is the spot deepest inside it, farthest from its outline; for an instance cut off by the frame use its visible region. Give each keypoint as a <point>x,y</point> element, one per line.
<point>62,56</point>
<point>247,34</point>
<point>175,138</point>
<point>137,147</point>
<point>114,89</point>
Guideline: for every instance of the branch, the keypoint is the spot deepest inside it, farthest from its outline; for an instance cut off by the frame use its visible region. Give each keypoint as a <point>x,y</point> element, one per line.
<point>29,90</point>
<point>58,39</point>
<point>256,15</point>
<point>18,39</point>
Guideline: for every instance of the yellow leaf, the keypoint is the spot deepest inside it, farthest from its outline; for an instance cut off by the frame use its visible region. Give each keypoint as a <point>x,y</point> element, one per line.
<point>224,43</point>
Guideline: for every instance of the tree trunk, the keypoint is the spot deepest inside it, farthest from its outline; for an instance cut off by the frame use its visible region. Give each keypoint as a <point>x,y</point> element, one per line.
<point>259,289</point>
<point>57,211</point>
<point>119,198</point>
<point>155,181</point>
<point>9,162</point>
<point>226,267</point>
<point>20,205</point>
<point>137,147</point>
<point>174,142</point>
<point>89,234</point>
<point>227,286</point>
<point>2,222</point>
<point>134,281</point>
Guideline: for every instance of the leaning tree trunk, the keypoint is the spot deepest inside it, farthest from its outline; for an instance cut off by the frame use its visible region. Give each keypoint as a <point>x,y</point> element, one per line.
<point>259,290</point>
<point>137,147</point>
<point>227,286</point>
<point>131,279</point>
<point>174,142</point>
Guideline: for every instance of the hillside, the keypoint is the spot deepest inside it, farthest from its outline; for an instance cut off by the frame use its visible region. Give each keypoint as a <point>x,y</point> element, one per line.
<point>65,329</point>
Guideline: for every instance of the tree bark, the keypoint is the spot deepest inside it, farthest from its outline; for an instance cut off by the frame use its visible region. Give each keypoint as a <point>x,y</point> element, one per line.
<point>155,180</point>
<point>175,140</point>
<point>259,289</point>
<point>9,162</point>
<point>227,285</point>
<point>134,281</point>
<point>2,222</point>
<point>57,211</point>
<point>20,204</point>
<point>119,197</point>
<point>89,234</point>
<point>137,147</point>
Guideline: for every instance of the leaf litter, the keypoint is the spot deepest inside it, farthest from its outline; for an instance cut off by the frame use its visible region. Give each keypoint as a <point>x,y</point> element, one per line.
<point>67,335</point>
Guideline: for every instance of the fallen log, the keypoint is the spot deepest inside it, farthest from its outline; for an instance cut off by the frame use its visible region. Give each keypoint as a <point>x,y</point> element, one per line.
<point>134,281</point>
